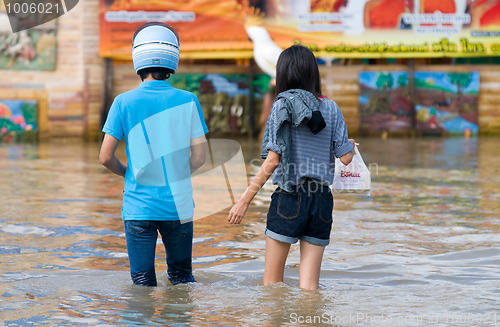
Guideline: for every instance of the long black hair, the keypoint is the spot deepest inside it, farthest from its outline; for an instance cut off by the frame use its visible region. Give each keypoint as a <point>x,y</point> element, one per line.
<point>297,69</point>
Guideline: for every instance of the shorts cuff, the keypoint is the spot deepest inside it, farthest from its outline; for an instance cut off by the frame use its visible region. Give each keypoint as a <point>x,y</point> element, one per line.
<point>281,238</point>
<point>315,241</point>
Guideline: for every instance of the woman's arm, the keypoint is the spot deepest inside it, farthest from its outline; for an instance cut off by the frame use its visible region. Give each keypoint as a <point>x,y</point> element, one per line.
<point>347,158</point>
<point>238,211</point>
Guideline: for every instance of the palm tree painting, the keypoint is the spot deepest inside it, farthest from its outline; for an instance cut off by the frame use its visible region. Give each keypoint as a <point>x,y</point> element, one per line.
<point>384,102</point>
<point>447,102</point>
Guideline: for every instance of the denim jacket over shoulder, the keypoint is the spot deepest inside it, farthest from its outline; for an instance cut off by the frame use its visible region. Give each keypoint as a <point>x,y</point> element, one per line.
<point>292,108</point>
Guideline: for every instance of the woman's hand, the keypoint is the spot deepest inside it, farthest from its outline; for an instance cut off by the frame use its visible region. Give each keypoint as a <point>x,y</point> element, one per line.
<point>352,142</point>
<point>237,212</point>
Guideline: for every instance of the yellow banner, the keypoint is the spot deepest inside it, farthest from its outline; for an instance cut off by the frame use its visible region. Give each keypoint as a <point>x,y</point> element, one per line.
<point>337,28</point>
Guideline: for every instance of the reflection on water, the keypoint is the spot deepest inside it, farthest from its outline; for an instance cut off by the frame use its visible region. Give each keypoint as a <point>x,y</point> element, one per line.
<point>423,250</point>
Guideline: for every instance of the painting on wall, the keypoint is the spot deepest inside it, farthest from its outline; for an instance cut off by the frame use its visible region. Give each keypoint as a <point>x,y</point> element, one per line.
<point>447,102</point>
<point>384,102</point>
<point>225,99</point>
<point>18,120</point>
<point>32,49</point>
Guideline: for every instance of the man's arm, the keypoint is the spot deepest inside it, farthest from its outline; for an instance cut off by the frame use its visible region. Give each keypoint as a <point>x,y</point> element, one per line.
<point>107,155</point>
<point>198,153</point>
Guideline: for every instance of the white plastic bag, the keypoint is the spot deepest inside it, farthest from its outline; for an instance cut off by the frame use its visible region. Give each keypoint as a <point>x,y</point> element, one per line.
<point>354,178</point>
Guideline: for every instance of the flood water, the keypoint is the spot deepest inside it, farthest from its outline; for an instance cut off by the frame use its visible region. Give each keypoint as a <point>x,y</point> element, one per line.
<point>422,250</point>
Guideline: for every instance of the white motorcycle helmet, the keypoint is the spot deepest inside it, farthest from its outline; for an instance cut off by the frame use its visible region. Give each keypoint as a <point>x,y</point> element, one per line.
<point>155,45</point>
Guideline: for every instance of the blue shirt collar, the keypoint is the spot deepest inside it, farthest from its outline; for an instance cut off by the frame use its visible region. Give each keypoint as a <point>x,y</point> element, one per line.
<point>155,84</point>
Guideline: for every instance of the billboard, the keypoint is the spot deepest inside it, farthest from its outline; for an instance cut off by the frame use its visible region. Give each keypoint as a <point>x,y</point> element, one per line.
<point>337,28</point>
<point>206,28</point>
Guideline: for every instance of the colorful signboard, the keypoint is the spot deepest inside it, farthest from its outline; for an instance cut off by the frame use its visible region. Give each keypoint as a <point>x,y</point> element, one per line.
<point>225,99</point>
<point>384,102</point>
<point>337,28</point>
<point>447,102</point>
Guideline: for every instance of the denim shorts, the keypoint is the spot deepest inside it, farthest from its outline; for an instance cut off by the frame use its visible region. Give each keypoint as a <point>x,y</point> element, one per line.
<point>305,213</point>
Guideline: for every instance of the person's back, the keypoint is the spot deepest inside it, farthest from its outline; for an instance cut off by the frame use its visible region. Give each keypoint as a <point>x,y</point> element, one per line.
<point>164,130</point>
<point>158,123</point>
<point>312,155</point>
<point>303,134</point>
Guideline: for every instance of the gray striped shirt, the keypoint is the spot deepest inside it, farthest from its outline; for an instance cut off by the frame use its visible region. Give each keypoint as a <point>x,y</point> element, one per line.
<point>312,155</point>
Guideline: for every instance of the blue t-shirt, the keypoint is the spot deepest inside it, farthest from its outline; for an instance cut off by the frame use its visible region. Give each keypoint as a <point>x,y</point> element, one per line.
<point>157,122</point>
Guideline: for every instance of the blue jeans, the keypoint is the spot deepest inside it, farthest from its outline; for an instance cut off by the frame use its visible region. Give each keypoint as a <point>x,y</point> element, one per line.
<point>177,238</point>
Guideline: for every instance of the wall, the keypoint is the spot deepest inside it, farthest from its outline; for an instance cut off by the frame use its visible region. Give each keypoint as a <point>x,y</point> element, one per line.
<point>93,70</point>
<point>340,83</point>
